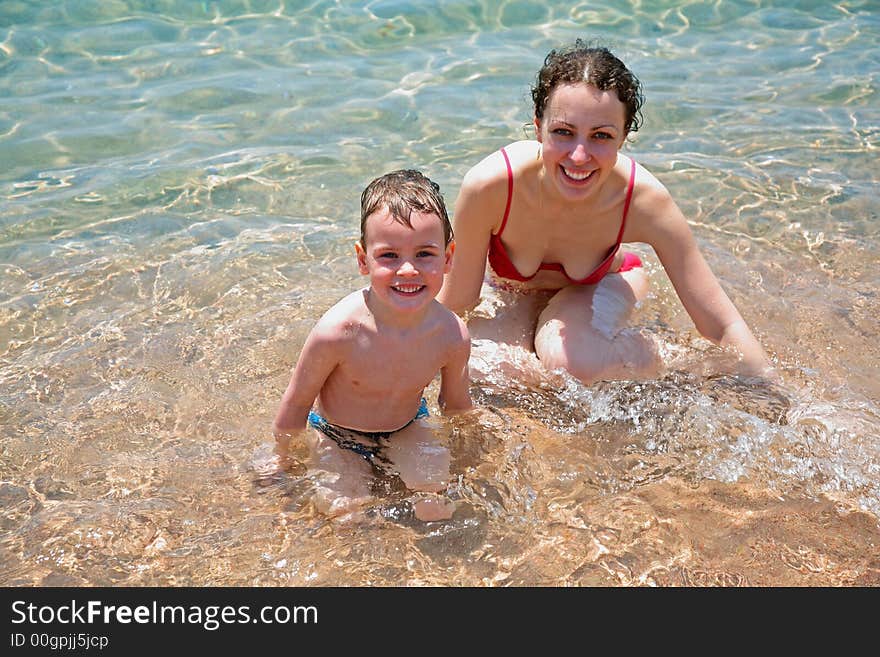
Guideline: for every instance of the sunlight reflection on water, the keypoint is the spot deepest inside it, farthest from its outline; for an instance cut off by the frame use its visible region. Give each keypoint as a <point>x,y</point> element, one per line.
<point>179,205</point>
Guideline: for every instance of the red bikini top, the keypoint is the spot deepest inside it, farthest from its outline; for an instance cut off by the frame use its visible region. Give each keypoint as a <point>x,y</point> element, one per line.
<point>500,260</point>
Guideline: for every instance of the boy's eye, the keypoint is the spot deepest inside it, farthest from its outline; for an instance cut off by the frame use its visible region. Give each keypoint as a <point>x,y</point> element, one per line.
<point>425,254</point>
<point>388,255</point>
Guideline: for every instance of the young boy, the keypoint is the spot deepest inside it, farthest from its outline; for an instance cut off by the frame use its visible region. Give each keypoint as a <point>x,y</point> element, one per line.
<point>363,368</point>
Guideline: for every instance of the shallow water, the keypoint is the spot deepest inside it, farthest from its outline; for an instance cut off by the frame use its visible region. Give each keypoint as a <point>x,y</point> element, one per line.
<point>179,200</point>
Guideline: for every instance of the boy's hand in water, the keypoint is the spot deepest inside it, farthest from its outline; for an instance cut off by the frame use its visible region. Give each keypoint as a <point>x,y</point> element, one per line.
<point>266,465</point>
<point>270,462</point>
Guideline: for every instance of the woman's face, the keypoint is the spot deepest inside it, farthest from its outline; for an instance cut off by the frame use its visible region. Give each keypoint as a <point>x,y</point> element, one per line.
<point>581,132</point>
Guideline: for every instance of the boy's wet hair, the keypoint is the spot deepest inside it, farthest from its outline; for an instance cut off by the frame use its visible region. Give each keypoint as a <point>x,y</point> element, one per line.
<point>402,192</point>
<point>595,65</point>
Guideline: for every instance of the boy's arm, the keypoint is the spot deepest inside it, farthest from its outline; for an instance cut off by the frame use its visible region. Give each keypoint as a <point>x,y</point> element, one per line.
<point>318,358</point>
<point>455,396</point>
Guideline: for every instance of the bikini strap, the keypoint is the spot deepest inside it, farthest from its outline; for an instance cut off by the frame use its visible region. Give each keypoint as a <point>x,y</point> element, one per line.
<point>509,192</point>
<point>629,193</point>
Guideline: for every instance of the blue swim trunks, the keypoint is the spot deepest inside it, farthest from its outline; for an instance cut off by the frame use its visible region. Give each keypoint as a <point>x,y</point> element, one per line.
<point>365,443</point>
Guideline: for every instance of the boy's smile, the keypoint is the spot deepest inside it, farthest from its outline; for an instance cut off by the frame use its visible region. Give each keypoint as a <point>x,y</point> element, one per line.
<point>407,289</point>
<point>405,264</point>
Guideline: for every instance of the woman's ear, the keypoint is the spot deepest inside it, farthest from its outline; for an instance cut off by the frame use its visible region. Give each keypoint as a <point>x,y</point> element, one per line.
<point>538,130</point>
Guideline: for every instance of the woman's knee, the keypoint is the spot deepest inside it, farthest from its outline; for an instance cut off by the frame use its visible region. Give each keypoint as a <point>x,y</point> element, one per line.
<point>637,281</point>
<point>592,357</point>
<point>586,361</point>
<point>590,370</point>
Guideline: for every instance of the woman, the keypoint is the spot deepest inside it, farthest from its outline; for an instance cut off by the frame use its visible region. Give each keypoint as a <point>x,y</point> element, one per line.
<point>550,216</point>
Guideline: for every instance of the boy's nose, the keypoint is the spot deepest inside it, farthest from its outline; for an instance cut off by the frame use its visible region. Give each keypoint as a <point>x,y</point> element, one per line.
<point>407,268</point>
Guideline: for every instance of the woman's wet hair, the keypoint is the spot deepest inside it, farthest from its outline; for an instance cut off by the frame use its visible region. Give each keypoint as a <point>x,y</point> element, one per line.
<point>594,65</point>
<point>402,192</point>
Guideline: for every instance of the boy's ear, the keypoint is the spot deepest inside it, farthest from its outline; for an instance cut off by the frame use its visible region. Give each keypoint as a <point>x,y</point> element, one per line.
<point>362,258</point>
<point>450,249</point>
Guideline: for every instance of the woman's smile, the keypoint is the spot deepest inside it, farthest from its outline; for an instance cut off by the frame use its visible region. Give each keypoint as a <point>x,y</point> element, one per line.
<point>575,175</point>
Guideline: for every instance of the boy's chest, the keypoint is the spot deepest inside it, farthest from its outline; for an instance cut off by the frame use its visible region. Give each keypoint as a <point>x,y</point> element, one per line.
<point>386,363</point>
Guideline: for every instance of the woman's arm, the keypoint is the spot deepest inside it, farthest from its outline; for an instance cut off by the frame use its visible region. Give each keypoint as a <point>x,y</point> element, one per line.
<point>477,209</point>
<point>712,311</point>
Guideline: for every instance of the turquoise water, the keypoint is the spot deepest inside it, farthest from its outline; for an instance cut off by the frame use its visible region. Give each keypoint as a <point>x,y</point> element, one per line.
<point>178,202</point>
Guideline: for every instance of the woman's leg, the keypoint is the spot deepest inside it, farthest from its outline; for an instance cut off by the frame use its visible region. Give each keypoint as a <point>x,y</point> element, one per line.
<point>583,330</point>
<point>502,330</point>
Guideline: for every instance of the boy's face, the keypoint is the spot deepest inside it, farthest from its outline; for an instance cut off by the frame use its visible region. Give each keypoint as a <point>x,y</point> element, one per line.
<point>405,265</point>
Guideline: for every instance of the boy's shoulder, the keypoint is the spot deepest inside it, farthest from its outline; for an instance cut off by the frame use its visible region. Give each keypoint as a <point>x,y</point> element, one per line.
<point>453,339</point>
<point>346,314</point>
<point>451,324</point>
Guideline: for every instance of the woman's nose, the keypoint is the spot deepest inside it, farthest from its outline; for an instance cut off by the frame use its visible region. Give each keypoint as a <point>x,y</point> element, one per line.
<point>579,154</point>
